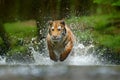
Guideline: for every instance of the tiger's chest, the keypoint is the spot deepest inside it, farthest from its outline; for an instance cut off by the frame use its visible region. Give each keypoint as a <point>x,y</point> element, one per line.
<point>58,49</point>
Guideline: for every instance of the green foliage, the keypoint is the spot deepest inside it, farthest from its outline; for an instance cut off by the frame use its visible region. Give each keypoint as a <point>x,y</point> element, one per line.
<point>103,1</point>
<point>1,40</point>
<point>19,29</point>
<point>100,22</point>
<point>110,2</point>
<point>20,34</point>
<point>78,25</point>
<point>108,40</point>
<point>83,36</point>
<point>117,3</point>
<point>102,33</point>
<point>17,50</point>
<point>106,35</point>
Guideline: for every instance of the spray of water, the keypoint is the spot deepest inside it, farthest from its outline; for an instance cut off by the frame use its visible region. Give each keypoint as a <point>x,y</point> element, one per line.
<point>82,56</point>
<point>2,60</point>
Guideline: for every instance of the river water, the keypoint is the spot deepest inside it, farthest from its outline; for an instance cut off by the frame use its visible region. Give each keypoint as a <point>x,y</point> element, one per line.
<point>58,72</point>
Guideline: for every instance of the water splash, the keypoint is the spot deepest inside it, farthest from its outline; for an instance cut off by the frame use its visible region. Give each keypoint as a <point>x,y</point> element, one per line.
<point>82,56</point>
<point>2,60</point>
<point>40,58</point>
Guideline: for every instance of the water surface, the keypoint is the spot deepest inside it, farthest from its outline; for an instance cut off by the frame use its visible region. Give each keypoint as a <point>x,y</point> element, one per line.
<point>58,72</point>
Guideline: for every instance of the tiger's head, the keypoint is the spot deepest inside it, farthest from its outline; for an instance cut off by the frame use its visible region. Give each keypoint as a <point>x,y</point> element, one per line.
<point>57,30</point>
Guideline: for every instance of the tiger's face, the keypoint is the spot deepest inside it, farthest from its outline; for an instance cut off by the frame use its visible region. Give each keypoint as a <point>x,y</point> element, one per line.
<point>57,30</point>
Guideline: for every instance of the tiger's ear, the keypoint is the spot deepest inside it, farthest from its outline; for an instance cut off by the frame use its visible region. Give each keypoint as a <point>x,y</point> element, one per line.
<point>64,32</point>
<point>62,22</point>
<point>50,22</point>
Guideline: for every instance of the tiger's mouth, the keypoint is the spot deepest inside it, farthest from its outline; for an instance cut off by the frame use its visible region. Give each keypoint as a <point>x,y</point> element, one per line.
<point>58,39</point>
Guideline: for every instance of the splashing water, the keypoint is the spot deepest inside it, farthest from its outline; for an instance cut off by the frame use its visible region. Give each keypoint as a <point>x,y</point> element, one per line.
<point>82,56</point>
<point>2,60</point>
<point>40,58</point>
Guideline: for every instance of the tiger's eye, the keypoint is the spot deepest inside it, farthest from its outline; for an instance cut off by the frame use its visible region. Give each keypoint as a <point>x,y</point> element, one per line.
<point>52,28</point>
<point>59,28</point>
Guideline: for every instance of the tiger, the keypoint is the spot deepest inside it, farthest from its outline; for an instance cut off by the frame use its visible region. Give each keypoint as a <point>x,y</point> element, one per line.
<point>60,40</point>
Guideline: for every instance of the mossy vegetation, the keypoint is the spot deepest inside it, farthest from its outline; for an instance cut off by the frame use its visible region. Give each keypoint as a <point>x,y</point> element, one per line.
<point>20,34</point>
<point>1,41</point>
<point>17,50</point>
<point>21,29</point>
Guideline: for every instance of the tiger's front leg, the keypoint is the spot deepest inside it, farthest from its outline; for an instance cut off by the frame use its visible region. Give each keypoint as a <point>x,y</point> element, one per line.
<point>53,56</point>
<point>51,53</point>
<point>66,52</point>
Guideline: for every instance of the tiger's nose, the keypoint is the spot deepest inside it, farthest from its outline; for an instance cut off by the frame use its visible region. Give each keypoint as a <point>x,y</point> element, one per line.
<point>54,36</point>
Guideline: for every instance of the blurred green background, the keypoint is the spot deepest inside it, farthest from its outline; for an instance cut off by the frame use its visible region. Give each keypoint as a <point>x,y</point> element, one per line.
<point>21,20</point>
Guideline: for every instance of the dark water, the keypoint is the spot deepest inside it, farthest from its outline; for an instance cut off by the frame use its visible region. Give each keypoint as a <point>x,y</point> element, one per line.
<point>58,72</point>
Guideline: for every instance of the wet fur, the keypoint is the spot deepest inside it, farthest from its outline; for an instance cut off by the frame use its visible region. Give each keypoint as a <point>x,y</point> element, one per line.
<point>61,49</point>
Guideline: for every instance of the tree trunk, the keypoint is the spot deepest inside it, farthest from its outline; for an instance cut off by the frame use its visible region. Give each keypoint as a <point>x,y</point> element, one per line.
<point>64,9</point>
<point>82,7</point>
